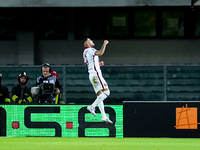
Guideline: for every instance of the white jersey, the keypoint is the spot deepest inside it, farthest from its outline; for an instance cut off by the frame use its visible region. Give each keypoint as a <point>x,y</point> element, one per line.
<point>91,60</point>
<point>95,75</point>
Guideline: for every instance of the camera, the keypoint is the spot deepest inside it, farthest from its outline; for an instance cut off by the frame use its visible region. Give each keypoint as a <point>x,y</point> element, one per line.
<point>47,88</point>
<point>45,94</point>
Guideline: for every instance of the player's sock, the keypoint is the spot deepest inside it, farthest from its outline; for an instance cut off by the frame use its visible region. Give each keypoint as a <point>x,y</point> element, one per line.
<point>99,99</point>
<point>101,108</point>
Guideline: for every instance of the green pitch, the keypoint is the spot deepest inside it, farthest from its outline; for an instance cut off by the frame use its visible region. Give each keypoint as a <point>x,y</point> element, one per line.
<point>44,143</point>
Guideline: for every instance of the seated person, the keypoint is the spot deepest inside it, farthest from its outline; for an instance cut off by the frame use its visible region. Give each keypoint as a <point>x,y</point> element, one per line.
<point>21,93</point>
<point>4,93</point>
<point>49,87</point>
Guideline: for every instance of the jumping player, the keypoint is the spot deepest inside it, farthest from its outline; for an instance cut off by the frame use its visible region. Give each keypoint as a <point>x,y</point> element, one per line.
<point>91,58</point>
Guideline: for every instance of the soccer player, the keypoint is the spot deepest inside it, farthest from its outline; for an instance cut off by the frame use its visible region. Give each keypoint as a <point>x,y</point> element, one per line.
<point>91,58</point>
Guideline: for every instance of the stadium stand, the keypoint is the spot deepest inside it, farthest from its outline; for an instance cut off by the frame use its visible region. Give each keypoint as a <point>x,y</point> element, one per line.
<point>134,83</point>
<point>10,75</point>
<point>183,83</point>
<point>125,83</point>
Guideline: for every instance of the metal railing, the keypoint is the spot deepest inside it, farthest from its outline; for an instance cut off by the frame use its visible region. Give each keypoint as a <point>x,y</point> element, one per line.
<point>164,82</point>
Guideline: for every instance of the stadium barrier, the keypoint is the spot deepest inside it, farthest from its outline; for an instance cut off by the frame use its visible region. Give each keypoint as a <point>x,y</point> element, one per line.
<point>132,119</point>
<point>126,82</point>
<point>161,119</point>
<point>58,121</point>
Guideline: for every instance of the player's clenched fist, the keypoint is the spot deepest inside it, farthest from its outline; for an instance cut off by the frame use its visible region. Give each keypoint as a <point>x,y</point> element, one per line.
<point>106,42</point>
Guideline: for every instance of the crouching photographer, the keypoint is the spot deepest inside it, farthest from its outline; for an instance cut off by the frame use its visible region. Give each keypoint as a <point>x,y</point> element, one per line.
<point>48,88</point>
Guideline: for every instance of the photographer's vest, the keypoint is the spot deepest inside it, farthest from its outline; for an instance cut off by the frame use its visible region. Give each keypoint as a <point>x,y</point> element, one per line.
<point>51,79</point>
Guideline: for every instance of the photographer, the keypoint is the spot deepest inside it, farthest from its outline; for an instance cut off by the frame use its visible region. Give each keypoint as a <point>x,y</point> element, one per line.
<point>49,86</point>
<point>21,93</point>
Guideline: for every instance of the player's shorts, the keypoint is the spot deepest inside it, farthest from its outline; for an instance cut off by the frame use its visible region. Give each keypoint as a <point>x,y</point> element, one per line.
<point>98,82</point>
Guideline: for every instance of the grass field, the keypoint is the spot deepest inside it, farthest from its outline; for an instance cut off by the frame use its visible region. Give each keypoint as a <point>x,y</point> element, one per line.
<point>44,143</point>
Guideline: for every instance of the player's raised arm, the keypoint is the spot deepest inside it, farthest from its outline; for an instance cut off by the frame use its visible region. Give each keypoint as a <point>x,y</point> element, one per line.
<point>102,50</point>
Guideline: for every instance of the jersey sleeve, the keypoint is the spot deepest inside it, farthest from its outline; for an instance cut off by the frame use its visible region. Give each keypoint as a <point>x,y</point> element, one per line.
<point>92,51</point>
